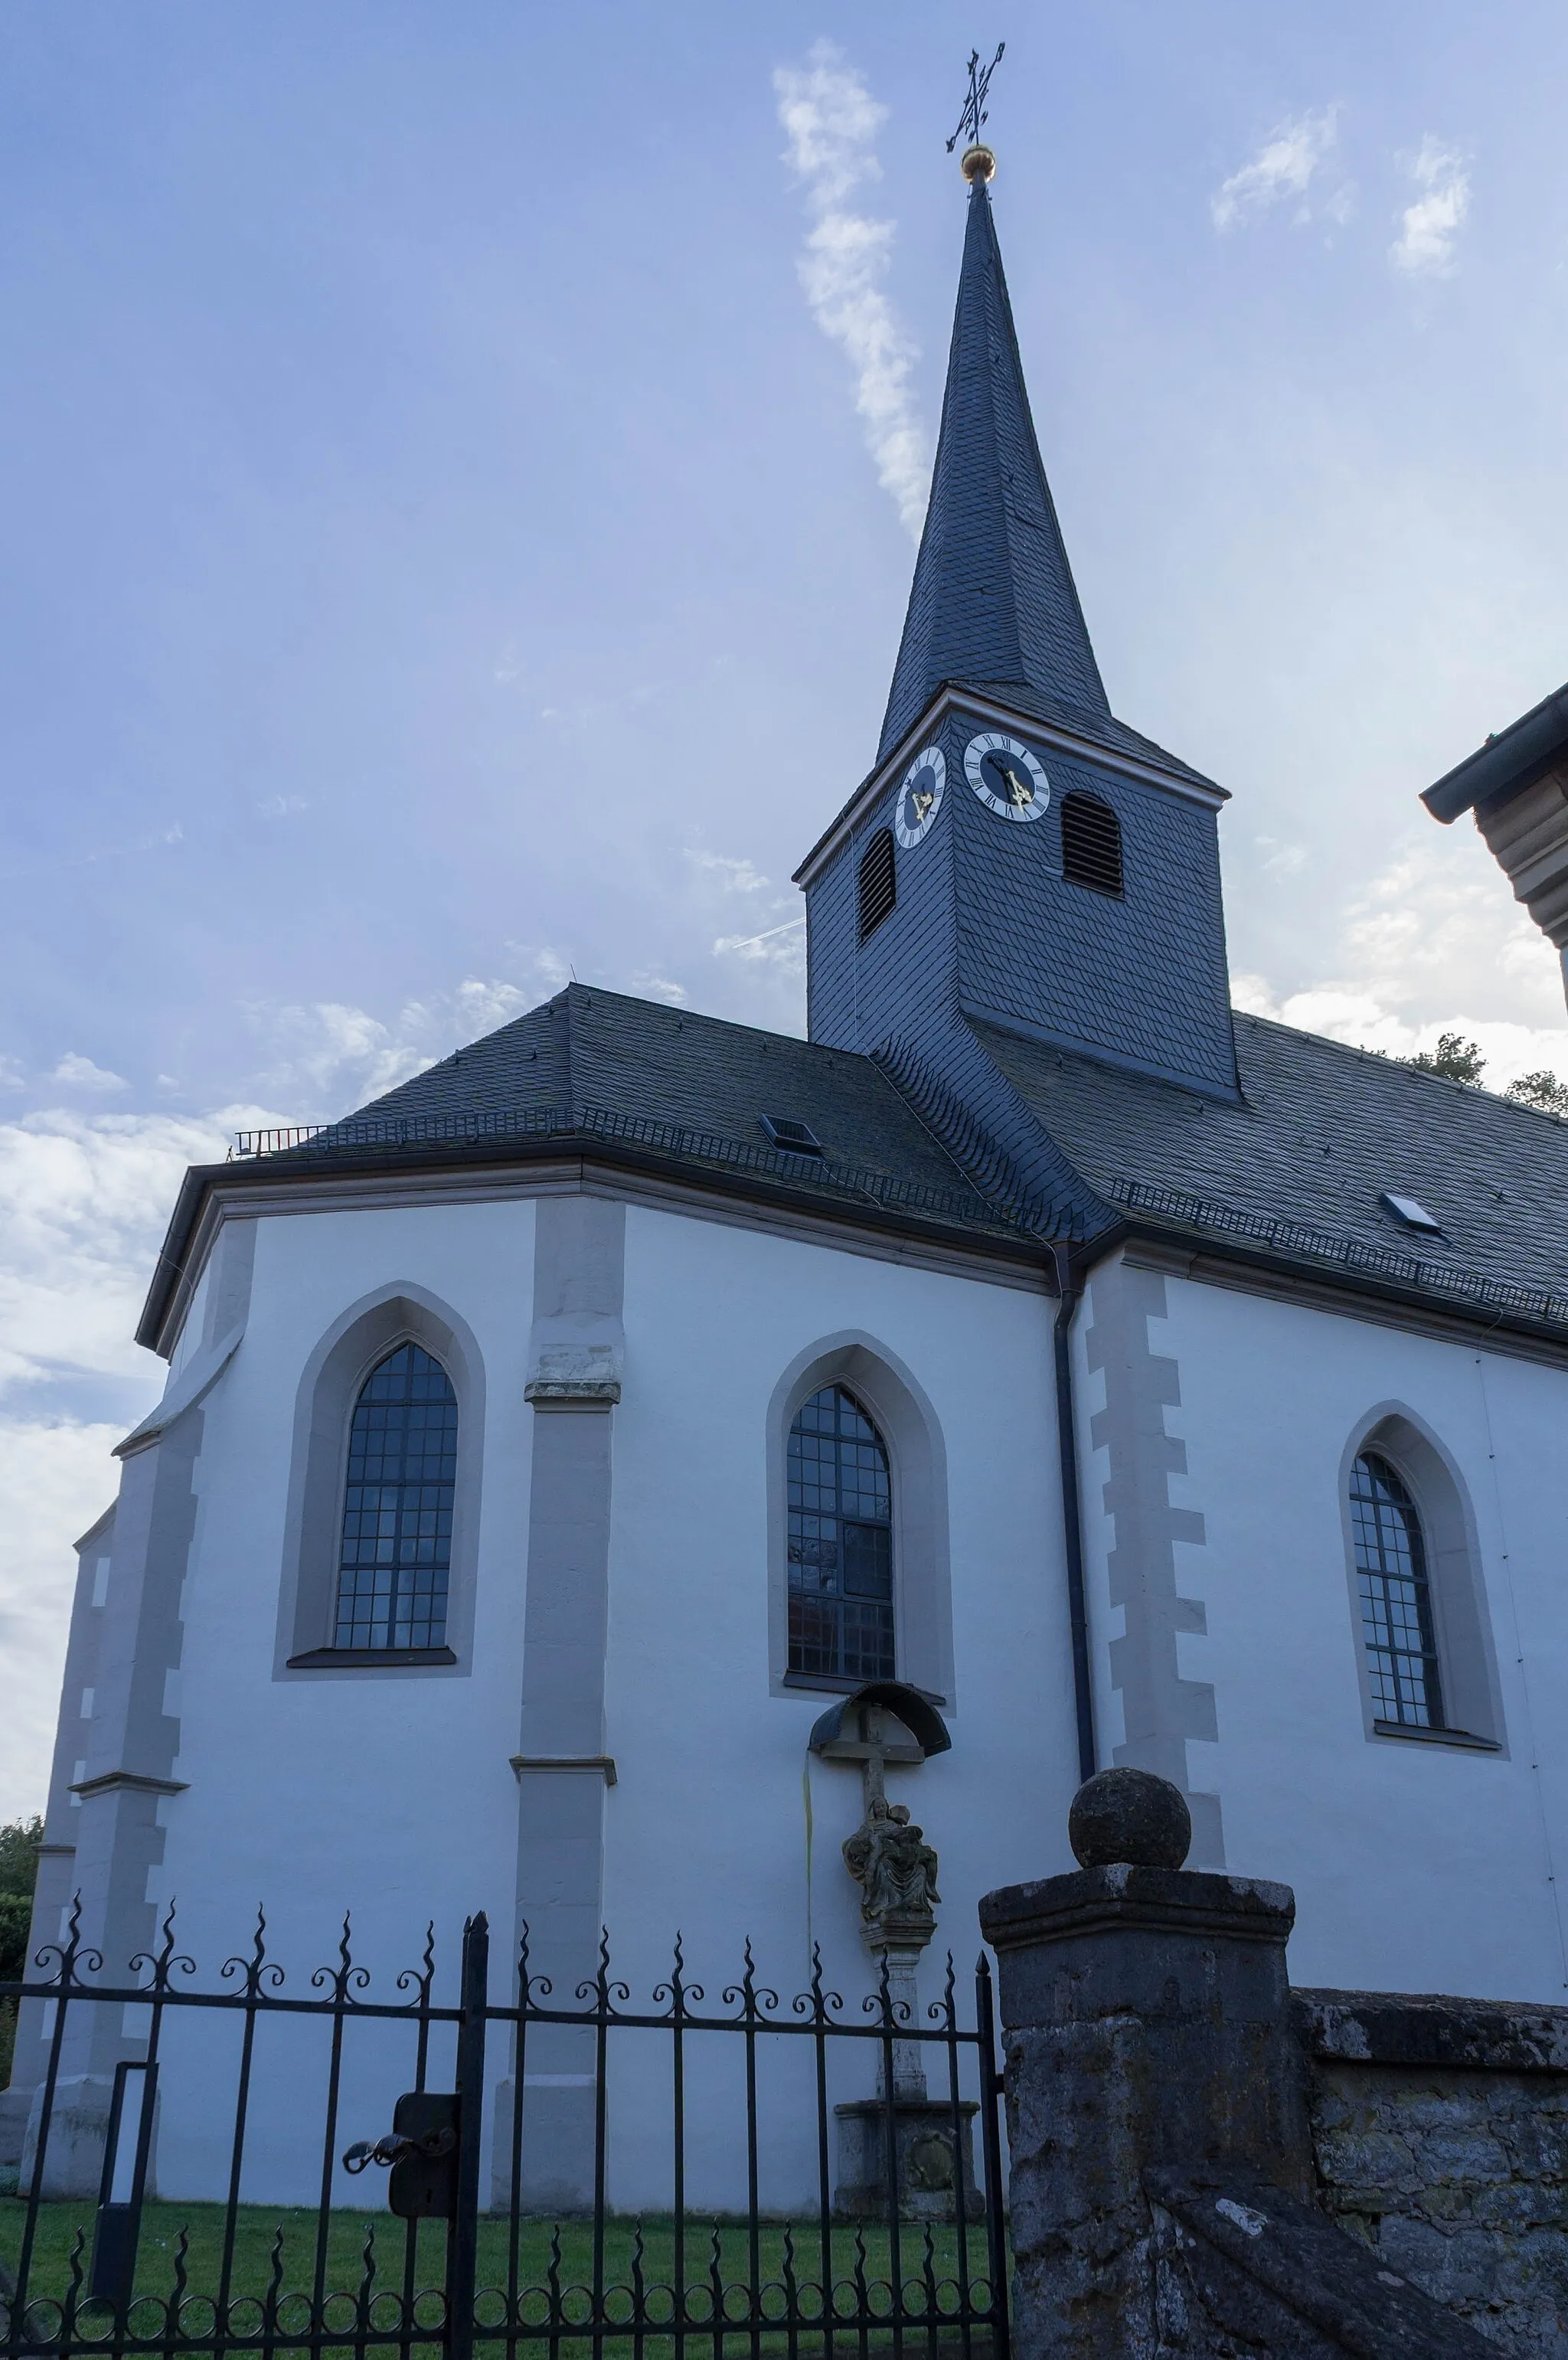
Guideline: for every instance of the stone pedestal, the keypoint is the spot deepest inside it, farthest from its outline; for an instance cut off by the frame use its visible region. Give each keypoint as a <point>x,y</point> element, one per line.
<point>1145,2021</point>
<point>935,2159</point>
<point>79,2128</point>
<point>15,2107</point>
<point>934,2154</point>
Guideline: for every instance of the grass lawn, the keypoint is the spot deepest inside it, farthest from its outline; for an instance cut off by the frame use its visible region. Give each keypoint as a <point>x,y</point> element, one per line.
<point>258,2229</point>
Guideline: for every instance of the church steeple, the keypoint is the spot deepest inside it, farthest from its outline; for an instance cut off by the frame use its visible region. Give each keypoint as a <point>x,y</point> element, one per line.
<point>1018,862</point>
<point>994,599</point>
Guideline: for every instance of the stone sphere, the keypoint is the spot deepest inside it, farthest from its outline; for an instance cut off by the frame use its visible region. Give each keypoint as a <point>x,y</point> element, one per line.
<point>1129,1816</point>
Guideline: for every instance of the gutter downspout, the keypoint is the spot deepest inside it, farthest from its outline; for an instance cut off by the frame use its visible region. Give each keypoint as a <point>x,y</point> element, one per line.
<point>1070,1291</point>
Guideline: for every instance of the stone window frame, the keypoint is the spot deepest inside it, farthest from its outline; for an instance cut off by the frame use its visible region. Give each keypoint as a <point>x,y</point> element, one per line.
<point>1466,1654</point>
<point>355,1345</point>
<point>917,1456</point>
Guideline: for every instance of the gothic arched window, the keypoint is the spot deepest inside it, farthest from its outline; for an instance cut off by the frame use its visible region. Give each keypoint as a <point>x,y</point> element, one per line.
<point>1396,1596</point>
<point>1091,844</point>
<point>396,1555</point>
<point>841,1542</point>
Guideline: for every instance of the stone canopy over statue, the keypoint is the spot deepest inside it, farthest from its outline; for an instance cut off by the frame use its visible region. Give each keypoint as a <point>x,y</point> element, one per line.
<point>895,1870</point>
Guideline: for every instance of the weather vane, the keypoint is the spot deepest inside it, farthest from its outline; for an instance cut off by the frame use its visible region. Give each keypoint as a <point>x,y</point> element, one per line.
<point>974,113</point>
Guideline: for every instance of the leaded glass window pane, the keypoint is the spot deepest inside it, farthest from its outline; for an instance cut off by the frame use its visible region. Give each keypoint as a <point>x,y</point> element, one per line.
<point>397,1531</point>
<point>841,1542</point>
<point>1396,1597</point>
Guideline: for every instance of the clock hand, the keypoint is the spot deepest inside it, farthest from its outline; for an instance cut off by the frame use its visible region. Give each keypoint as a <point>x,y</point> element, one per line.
<point>1018,789</point>
<point>922,800</point>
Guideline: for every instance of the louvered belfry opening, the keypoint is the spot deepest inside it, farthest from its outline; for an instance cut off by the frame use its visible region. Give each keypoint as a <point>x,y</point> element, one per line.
<point>1091,844</point>
<point>878,884</point>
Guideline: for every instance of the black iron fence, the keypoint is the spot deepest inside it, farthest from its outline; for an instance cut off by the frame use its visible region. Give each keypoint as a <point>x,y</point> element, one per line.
<point>161,2203</point>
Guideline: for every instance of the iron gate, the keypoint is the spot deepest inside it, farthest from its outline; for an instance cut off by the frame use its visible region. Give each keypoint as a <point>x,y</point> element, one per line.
<point>213,2073</point>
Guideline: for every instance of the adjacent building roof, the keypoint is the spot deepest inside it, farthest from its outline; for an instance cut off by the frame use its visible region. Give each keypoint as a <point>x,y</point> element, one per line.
<point>1511,759</point>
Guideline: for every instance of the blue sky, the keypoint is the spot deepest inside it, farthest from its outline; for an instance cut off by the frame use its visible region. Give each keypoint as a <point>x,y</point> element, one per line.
<point>457,472</point>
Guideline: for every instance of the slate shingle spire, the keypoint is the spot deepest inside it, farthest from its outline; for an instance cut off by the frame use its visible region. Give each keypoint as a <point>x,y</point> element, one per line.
<point>993,597</point>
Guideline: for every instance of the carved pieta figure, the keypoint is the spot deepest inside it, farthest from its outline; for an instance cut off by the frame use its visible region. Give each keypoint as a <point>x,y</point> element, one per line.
<point>895,1870</point>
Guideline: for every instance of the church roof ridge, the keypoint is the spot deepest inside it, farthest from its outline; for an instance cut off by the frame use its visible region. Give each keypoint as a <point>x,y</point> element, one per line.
<point>993,597</point>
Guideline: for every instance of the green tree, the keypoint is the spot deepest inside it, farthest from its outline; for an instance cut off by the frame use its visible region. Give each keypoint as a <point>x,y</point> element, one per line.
<point>1456,1059</point>
<point>1540,1089</point>
<point>19,1844</point>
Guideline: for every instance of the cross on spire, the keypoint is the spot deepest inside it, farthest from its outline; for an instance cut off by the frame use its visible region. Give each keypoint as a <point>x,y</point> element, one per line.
<point>974,113</point>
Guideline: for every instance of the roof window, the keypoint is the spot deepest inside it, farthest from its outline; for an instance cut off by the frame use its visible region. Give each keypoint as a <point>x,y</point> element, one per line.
<point>794,1138</point>
<point>1411,1215</point>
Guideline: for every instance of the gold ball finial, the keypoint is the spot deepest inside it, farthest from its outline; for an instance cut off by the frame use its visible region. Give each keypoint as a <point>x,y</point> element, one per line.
<point>978,162</point>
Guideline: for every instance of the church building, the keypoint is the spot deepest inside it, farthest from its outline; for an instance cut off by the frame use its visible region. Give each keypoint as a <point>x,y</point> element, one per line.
<point>556,1451</point>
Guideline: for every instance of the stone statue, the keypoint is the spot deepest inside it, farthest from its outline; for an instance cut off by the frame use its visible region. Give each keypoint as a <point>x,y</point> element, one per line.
<point>896,1871</point>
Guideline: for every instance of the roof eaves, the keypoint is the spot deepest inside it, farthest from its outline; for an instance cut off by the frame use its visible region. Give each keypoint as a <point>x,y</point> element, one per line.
<point>1471,1306</point>
<point>1001,701</point>
<point>1506,763</point>
<point>849,1195</point>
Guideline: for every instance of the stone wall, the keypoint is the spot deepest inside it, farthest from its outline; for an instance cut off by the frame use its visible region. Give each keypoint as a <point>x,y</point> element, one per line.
<point>1440,2132</point>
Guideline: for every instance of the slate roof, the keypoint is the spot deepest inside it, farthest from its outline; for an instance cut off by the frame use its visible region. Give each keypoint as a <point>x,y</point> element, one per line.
<point>1323,1128</point>
<point>1292,1174</point>
<point>994,607</point>
<point>994,596</point>
<point>688,1089</point>
<point>1100,729</point>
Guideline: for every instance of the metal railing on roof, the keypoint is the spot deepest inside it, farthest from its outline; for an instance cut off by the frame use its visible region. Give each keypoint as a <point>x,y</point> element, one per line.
<point>1321,1245</point>
<point>315,1141</point>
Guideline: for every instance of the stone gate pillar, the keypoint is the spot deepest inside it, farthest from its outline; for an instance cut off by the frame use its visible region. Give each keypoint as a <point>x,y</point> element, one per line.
<point>1145,2015</point>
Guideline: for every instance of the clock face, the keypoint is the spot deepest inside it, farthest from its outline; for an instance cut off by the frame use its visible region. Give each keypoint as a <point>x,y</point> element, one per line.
<point>920,796</point>
<point>1005,776</point>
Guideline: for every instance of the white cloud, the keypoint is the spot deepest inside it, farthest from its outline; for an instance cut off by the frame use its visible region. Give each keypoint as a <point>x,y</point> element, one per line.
<point>329,1053</point>
<point>735,876</point>
<point>329,1057</point>
<point>1430,223</point>
<point>81,1074</point>
<point>1433,944</point>
<point>484,1007</point>
<point>782,947</point>
<point>56,1477</point>
<point>1279,859</point>
<point>648,985</point>
<point>86,1198</point>
<point>1293,156</point>
<point>546,970</point>
<point>831,120</point>
<point>280,807</point>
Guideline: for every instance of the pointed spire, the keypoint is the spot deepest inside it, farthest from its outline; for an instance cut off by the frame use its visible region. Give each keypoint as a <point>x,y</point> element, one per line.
<point>993,598</point>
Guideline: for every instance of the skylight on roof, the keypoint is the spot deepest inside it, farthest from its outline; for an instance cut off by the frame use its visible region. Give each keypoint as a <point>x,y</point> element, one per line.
<point>1411,1215</point>
<point>794,1138</point>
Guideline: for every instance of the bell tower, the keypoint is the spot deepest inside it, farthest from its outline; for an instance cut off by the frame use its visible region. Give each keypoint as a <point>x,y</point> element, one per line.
<point>1017,856</point>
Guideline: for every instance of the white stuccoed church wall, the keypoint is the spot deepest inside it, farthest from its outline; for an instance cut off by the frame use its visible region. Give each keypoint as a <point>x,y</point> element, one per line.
<point>389,1796</point>
<point>1215,1428</point>
<point>1416,1866</point>
<point>395,1796</point>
